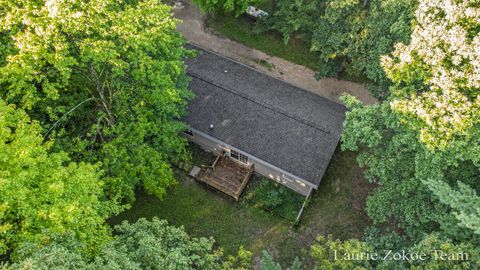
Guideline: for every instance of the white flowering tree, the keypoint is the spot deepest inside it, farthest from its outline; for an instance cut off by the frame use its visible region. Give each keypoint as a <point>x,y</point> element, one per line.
<point>423,143</point>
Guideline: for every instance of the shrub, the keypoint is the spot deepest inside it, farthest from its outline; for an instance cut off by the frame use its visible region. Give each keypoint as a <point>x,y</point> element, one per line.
<point>278,199</point>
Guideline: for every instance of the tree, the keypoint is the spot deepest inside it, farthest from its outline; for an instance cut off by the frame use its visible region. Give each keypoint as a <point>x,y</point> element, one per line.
<point>224,6</point>
<point>291,17</point>
<point>422,144</point>
<point>443,254</point>
<point>335,254</point>
<point>106,79</point>
<point>155,245</point>
<point>350,34</point>
<point>267,263</point>
<point>444,105</point>
<point>60,253</point>
<point>241,261</point>
<point>141,245</point>
<point>432,252</point>
<point>389,156</point>
<point>43,192</point>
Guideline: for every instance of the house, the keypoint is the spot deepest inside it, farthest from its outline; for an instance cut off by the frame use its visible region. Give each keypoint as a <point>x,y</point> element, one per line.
<point>288,134</point>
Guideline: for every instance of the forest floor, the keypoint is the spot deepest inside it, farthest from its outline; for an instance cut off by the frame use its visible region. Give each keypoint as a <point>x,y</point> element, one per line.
<point>194,29</point>
<point>335,208</point>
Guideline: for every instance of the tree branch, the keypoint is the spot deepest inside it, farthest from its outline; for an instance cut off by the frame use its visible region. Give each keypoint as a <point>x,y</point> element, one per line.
<point>65,115</point>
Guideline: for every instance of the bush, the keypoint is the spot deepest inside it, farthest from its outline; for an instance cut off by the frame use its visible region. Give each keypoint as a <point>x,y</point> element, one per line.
<point>278,199</point>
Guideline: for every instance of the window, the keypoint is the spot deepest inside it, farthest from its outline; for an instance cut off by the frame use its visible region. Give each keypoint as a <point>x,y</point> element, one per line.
<point>189,132</point>
<point>240,157</point>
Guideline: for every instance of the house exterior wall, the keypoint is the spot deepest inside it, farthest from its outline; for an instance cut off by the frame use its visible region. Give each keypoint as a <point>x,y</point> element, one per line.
<point>213,145</point>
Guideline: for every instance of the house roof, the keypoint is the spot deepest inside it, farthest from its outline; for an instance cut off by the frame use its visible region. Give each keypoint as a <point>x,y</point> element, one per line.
<point>270,119</point>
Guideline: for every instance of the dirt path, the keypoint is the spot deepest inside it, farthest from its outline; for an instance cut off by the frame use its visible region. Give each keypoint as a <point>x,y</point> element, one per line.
<point>194,30</point>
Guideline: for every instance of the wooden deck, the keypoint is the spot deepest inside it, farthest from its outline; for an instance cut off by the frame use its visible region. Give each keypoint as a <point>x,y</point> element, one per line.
<point>226,175</point>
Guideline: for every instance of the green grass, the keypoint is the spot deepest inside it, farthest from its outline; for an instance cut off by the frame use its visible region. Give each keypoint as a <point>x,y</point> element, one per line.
<point>241,29</point>
<point>204,212</point>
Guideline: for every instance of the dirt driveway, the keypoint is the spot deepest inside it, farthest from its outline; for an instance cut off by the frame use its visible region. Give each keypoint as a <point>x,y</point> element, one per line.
<point>194,30</point>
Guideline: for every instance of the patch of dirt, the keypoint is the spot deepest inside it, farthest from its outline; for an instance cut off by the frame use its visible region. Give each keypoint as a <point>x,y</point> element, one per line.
<point>194,30</point>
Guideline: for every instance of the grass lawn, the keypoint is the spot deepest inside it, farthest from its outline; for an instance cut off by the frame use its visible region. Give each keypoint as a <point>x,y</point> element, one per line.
<point>336,208</point>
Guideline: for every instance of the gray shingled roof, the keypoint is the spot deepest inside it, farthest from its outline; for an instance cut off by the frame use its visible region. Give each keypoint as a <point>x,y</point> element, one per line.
<point>281,124</point>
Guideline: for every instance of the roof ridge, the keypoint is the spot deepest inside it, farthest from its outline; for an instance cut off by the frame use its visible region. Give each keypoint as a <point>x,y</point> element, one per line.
<point>263,104</point>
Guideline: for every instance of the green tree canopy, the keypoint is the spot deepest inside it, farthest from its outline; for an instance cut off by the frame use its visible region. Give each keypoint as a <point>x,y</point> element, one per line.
<point>141,245</point>
<point>267,263</point>
<point>351,34</point>
<point>430,253</point>
<point>335,254</point>
<point>422,144</point>
<point>43,192</point>
<point>224,6</point>
<point>106,79</point>
<point>155,245</point>
<point>443,254</point>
